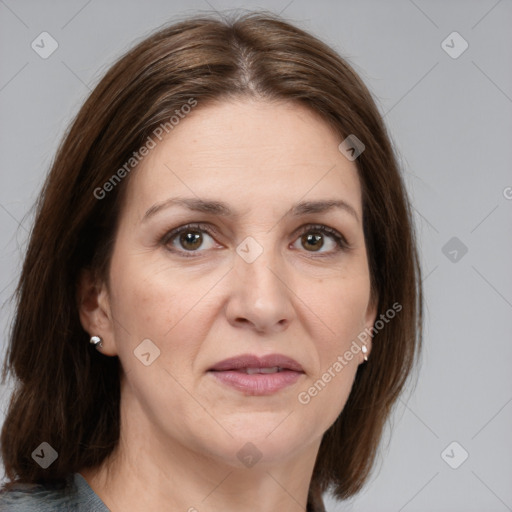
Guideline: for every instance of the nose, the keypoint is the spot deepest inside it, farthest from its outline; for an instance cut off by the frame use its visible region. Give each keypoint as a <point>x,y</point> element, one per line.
<point>260,297</point>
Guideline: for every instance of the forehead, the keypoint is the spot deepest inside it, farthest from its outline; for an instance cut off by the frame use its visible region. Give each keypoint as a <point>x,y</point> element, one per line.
<point>246,152</point>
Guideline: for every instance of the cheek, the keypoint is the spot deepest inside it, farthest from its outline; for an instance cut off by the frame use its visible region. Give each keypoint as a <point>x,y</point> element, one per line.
<point>157,302</point>
<point>341,306</point>
<point>155,312</point>
<point>151,295</point>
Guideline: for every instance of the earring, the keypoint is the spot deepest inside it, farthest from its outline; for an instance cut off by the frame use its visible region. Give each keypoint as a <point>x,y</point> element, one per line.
<point>365,351</point>
<point>96,341</point>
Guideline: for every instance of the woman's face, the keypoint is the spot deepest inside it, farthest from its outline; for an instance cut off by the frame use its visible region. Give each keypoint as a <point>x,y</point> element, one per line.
<point>254,276</point>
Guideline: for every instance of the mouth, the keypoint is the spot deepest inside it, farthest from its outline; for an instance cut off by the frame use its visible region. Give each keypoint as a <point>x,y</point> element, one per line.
<point>252,371</point>
<point>253,375</point>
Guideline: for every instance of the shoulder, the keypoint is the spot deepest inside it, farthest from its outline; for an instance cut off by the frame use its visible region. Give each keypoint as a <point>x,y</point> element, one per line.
<point>32,498</point>
<point>75,497</point>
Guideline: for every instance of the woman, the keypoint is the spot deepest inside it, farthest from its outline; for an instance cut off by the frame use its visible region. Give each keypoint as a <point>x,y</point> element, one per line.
<point>221,298</point>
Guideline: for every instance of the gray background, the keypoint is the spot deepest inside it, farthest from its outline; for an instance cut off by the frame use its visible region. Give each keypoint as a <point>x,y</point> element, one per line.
<point>451,122</point>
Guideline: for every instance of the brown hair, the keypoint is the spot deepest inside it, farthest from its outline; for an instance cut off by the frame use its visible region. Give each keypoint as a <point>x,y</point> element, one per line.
<point>68,394</point>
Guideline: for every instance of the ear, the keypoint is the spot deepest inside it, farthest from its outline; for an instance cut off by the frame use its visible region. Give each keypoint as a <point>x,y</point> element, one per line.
<point>94,310</point>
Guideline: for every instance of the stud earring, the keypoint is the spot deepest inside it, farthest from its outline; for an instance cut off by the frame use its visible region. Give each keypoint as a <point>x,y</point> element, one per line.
<point>365,352</point>
<point>96,341</point>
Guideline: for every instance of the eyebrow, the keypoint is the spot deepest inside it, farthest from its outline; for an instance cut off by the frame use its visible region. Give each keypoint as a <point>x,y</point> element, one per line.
<point>222,209</point>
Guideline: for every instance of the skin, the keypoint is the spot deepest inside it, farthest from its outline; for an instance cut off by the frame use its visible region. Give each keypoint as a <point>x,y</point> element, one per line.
<point>181,429</point>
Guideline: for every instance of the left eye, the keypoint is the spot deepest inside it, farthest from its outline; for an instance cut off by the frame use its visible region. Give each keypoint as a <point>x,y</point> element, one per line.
<point>313,236</point>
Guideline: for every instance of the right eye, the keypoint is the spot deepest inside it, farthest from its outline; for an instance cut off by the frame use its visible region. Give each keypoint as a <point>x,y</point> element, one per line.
<point>189,237</point>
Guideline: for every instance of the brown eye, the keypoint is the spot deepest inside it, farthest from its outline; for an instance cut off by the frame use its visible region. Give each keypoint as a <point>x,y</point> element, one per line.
<point>324,240</point>
<point>312,241</point>
<point>191,240</point>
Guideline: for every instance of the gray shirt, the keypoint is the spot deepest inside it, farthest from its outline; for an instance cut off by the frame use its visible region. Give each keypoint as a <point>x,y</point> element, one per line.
<point>77,497</point>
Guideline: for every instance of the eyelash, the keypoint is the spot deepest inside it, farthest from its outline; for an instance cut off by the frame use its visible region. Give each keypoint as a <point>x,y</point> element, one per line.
<point>341,242</point>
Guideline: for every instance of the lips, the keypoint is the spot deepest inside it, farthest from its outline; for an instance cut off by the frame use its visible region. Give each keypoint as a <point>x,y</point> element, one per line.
<point>253,364</point>
<point>253,375</point>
